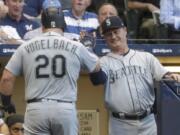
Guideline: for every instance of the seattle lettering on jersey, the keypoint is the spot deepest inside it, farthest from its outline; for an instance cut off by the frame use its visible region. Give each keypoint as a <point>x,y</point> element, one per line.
<point>50,44</point>
<point>126,71</point>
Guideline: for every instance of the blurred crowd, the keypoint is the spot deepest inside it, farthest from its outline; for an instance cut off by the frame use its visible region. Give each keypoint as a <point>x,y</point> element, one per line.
<point>145,19</point>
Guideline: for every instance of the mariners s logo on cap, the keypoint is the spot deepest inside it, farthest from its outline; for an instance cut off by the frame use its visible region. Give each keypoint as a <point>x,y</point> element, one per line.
<point>112,22</point>
<point>108,22</point>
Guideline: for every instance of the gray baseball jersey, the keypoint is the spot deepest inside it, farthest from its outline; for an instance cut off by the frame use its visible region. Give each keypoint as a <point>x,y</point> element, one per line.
<point>51,66</point>
<point>130,84</point>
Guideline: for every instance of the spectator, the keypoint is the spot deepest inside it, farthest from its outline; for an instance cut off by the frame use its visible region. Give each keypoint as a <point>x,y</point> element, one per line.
<point>4,130</point>
<point>3,9</point>
<point>33,8</point>
<point>16,20</point>
<point>146,5</point>
<point>145,8</point>
<point>15,124</point>
<point>31,34</point>
<point>121,6</point>
<point>6,106</point>
<point>95,5</point>
<point>79,20</point>
<point>105,10</point>
<point>170,15</point>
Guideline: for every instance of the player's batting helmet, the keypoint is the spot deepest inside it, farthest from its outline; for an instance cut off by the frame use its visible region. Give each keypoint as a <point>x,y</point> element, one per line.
<point>52,15</point>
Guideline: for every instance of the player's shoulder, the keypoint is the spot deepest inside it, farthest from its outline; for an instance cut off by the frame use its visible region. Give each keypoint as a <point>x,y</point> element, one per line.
<point>142,52</point>
<point>105,58</point>
<point>30,41</point>
<point>74,42</point>
<point>144,55</point>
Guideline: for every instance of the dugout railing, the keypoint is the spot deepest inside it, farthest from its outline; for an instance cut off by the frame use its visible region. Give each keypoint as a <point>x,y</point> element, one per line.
<point>168,107</point>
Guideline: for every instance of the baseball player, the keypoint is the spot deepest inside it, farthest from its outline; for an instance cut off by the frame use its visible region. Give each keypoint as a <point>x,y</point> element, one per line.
<point>129,87</point>
<point>50,65</point>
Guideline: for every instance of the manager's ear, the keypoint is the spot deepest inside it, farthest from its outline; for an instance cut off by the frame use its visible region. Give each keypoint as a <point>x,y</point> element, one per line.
<point>125,30</point>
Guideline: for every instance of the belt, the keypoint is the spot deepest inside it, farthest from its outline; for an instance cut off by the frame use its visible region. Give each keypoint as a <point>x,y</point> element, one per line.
<point>46,99</point>
<point>138,116</point>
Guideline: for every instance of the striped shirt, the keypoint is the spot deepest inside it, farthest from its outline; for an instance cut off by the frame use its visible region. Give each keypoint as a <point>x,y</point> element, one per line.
<point>88,22</point>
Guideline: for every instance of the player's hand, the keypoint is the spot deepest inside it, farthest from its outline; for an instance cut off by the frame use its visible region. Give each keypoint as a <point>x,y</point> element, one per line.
<point>10,108</point>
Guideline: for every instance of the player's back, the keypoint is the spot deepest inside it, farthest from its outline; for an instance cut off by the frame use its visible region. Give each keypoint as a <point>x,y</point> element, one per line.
<point>51,66</point>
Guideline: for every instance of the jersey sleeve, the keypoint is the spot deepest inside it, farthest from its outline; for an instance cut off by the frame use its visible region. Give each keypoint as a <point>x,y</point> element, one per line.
<point>88,59</point>
<point>104,65</point>
<point>15,63</point>
<point>157,69</point>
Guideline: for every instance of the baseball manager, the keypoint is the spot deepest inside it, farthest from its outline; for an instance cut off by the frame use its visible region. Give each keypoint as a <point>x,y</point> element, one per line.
<point>129,85</point>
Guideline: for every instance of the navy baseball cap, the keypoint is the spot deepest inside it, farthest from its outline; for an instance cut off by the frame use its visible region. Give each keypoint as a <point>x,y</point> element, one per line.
<point>112,22</point>
<point>52,15</point>
<point>51,4</point>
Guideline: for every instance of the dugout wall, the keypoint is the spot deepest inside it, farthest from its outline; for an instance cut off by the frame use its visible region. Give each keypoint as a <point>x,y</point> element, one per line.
<point>89,96</point>
<point>168,107</point>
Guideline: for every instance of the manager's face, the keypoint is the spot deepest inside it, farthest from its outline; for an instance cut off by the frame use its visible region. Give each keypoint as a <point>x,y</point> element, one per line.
<point>116,38</point>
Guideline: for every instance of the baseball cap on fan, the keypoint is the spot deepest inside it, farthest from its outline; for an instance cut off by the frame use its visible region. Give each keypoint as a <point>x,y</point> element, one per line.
<point>112,22</point>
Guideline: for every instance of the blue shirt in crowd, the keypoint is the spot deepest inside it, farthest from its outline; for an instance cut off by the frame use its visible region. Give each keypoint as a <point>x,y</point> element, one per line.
<point>34,7</point>
<point>74,26</point>
<point>170,13</point>
<point>22,26</point>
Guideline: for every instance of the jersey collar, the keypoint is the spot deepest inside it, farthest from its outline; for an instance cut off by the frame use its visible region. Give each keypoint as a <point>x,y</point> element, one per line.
<point>129,52</point>
<point>52,33</point>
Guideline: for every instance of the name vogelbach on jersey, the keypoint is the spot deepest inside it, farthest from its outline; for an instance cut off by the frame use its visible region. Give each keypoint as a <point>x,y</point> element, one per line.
<point>50,44</point>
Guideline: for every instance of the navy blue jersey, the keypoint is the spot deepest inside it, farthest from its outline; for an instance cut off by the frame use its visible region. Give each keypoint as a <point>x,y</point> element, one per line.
<point>22,26</point>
